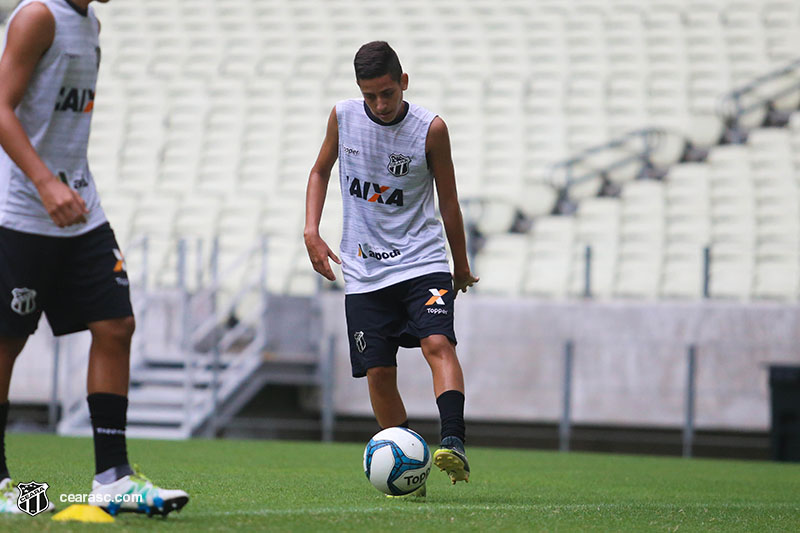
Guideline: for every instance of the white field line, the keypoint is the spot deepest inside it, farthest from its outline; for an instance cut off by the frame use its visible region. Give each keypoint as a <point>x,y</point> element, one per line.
<point>433,507</point>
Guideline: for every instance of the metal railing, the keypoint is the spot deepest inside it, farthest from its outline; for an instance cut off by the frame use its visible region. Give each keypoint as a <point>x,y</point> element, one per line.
<point>223,378</point>
<point>635,147</point>
<point>588,258</point>
<point>759,93</point>
<point>690,398</point>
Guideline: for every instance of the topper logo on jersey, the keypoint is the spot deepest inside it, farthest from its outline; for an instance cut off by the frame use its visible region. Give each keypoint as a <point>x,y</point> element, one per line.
<point>76,100</point>
<point>364,252</point>
<point>23,301</point>
<point>398,164</point>
<point>373,192</point>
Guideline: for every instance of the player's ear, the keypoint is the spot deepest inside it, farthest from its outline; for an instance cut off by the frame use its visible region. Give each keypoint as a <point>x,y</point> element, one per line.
<point>404,81</point>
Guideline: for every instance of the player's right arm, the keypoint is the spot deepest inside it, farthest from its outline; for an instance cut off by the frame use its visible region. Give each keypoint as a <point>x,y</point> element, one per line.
<point>318,249</point>
<point>30,34</point>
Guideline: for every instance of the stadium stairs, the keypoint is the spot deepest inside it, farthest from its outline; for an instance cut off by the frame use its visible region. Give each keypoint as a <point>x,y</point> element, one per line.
<point>191,378</point>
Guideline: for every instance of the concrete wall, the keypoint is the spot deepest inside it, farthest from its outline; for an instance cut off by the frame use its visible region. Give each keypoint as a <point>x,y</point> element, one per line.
<point>630,361</point>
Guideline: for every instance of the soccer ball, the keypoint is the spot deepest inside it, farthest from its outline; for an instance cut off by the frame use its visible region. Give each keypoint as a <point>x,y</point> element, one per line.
<point>397,461</point>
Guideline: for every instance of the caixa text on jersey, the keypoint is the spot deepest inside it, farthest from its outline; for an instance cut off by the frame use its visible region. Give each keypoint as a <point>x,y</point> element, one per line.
<point>373,192</point>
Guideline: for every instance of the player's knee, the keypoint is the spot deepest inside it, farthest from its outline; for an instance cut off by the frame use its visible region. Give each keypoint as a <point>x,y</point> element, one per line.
<point>381,373</point>
<point>119,330</point>
<point>439,347</point>
<point>124,328</point>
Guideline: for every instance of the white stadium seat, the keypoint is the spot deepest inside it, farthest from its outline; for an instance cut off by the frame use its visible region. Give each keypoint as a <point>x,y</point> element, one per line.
<point>228,99</point>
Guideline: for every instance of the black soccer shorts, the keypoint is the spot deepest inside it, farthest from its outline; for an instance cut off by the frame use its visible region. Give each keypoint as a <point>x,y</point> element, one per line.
<point>379,322</point>
<point>73,280</point>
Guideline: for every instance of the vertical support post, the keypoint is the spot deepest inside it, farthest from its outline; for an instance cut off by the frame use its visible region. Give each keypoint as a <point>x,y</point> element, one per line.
<point>198,262</point>
<point>706,271</point>
<point>264,289</point>
<point>564,428</point>
<point>587,281</point>
<point>688,428</point>
<point>211,430</point>
<point>52,408</point>
<point>188,384</point>
<point>326,371</point>
<point>141,313</point>
<point>145,259</point>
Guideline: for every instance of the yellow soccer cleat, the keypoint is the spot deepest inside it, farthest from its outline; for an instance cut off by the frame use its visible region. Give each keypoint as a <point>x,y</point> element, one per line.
<point>451,458</point>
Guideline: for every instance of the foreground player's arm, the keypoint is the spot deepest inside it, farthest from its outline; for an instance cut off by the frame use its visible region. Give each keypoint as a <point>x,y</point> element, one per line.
<point>29,36</point>
<point>441,164</point>
<point>318,249</point>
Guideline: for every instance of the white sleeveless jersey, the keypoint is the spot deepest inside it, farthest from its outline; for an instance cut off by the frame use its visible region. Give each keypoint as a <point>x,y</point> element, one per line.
<point>56,112</point>
<point>390,230</point>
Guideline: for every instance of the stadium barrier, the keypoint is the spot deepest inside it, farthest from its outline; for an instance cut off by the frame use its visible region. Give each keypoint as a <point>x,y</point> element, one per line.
<point>630,363</point>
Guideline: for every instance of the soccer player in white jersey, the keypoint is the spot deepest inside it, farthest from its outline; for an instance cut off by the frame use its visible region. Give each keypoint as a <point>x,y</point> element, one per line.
<point>399,290</point>
<point>58,254</point>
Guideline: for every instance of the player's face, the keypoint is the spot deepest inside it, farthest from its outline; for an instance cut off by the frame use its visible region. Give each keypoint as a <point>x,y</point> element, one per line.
<point>384,96</point>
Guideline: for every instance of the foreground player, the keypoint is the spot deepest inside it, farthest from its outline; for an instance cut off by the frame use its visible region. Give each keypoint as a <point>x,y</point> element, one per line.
<point>398,286</point>
<point>57,252</point>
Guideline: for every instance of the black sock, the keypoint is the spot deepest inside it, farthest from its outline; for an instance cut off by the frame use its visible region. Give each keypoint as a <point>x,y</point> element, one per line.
<point>108,412</point>
<point>3,421</point>
<point>451,413</point>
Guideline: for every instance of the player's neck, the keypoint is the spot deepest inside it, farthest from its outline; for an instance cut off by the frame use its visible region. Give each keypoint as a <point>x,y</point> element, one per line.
<point>396,120</point>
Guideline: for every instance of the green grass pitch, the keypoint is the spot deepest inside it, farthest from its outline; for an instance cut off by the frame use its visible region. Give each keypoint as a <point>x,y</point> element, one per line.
<point>302,486</point>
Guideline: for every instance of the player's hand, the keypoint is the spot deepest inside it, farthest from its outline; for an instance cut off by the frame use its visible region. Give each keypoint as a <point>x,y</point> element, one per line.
<point>462,281</point>
<point>64,205</point>
<point>319,252</point>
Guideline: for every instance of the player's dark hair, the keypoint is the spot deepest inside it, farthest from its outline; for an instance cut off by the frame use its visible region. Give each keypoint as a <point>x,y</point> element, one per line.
<point>376,59</point>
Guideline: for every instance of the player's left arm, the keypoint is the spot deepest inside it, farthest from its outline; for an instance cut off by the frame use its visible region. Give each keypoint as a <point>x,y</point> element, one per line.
<point>440,162</point>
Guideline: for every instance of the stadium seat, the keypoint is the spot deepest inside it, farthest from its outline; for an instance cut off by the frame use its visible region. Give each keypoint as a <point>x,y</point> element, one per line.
<point>598,227</point>
<point>549,257</point>
<point>229,99</point>
<point>501,264</point>
<point>682,274</point>
<point>731,275</point>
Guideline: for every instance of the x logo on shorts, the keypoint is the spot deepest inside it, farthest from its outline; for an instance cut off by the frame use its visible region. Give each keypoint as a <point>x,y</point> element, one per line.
<point>437,296</point>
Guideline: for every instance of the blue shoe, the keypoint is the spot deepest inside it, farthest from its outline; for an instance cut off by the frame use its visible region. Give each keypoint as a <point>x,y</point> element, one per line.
<point>451,458</point>
<point>135,493</point>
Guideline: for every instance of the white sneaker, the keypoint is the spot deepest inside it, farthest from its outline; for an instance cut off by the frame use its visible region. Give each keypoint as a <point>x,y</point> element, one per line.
<point>135,493</point>
<point>9,494</point>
